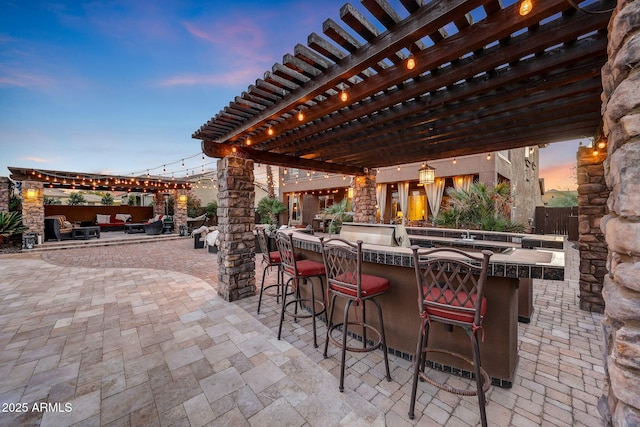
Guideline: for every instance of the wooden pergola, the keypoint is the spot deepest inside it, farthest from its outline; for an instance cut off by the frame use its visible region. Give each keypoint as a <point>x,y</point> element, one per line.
<point>485,79</point>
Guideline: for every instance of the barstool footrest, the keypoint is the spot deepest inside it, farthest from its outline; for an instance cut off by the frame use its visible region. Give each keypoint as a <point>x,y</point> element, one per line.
<point>485,377</point>
<point>377,343</point>
<point>303,315</point>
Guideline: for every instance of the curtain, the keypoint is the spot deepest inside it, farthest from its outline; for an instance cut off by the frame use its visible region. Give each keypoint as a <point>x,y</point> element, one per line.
<point>434,195</point>
<point>381,198</point>
<point>403,193</point>
<point>463,182</point>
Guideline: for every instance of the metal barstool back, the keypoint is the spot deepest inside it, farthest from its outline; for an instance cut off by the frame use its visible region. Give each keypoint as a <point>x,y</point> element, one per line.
<point>299,270</point>
<point>451,285</point>
<point>343,263</point>
<point>270,259</point>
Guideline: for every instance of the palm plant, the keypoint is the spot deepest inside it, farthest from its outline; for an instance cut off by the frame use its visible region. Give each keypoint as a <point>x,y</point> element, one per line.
<point>480,207</point>
<point>269,209</point>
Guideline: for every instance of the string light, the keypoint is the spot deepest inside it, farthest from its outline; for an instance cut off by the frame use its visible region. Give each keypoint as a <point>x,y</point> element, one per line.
<point>300,116</point>
<point>270,131</point>
<point>525,7</point>
<point>411,62</point>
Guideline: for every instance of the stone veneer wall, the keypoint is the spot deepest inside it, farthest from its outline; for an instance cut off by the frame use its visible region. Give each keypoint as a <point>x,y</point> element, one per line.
<point>33,209</point>
<point>364,198</point>
<point>5,193</point>
<point>236,255</point>
<point>620,403</point>
<point>592,201</point>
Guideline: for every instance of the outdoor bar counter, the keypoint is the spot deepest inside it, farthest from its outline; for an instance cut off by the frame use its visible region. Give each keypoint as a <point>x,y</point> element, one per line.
<point>499,351</point>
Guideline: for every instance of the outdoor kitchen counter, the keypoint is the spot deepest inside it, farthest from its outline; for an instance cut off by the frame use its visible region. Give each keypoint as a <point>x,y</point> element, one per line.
<point>499,351</point>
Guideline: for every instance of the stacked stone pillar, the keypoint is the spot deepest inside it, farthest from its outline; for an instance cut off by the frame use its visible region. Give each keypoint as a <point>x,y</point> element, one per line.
<point>620,403</point>
<point>592,201</point>
<point>364,198</point>
<point>179,209</point>
<point>5,193</point>
<point>33,206</point>
<point>236,254</point>
<point>159,205</point>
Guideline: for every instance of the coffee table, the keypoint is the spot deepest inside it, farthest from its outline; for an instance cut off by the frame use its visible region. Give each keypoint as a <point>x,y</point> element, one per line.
<point>134,227</point>
<point>84,233</point>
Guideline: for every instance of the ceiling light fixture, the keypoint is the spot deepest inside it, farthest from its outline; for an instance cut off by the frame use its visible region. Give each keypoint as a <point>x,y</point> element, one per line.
<point>426,174</point>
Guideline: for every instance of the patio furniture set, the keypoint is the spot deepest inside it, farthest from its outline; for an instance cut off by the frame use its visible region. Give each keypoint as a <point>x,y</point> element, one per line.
<point>57,227</point>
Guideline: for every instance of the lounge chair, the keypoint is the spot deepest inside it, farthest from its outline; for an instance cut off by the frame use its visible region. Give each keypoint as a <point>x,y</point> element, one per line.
<point>193,223</point>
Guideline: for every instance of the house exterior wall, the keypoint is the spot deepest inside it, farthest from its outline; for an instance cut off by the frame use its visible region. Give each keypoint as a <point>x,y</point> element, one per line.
<point>511,164</point>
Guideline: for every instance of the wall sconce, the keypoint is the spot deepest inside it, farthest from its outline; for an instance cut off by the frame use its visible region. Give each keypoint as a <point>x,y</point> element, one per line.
<point>426,174</point>
<point>32,193</point>
<point>182,198</point>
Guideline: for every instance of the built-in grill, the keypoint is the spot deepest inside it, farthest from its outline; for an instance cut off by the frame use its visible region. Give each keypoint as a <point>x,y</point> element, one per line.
<point>375,234</point>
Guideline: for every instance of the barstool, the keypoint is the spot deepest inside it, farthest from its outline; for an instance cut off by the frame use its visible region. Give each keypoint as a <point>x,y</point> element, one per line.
<point>299,270</point>
<point>343,263</point>
<point>271,259</point>
<point>451,286</point>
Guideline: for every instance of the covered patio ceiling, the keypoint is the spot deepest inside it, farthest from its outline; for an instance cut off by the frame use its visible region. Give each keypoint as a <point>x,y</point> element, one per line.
<point>485,79</point>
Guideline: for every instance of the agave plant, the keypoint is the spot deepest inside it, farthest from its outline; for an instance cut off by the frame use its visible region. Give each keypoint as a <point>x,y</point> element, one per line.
<point>10,224</point>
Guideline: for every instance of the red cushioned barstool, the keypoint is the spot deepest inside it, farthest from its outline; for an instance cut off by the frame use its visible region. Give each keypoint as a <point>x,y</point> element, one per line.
<point>451,286</point>
<point>271,259</point>
<point>299,270</point>
<point>343,263</point>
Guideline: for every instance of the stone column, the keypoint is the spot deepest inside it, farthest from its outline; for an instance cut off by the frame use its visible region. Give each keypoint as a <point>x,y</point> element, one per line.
<point>592,200</point>
<point>5,193</point>
<point>33,206</point>
<point>364,198</point>
<point>179,209</point>
<point>620,403</point>
<point>159,204</point>
<point>236,254</point>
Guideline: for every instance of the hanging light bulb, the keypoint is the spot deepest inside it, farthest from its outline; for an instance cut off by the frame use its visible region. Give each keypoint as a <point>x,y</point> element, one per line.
<point>344,96</point>
<point>602,144</point>
<point>203,158</point>
<point>411,62</point>
<point>300,116</point>
<point>455,161</point>
<point>182,163</point>
<point>248,141</point>
<point>270,131</point>
<point>489,156</point>
<point>525,7</point>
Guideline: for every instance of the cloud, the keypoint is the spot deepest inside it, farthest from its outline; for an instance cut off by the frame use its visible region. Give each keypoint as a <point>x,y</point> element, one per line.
<point>239,77</point>
<point>559,176</point>
<point>18,78</point>
<point>35,159</point>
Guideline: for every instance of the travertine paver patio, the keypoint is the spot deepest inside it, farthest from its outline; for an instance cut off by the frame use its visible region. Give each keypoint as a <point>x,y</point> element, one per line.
<point>136,335</point>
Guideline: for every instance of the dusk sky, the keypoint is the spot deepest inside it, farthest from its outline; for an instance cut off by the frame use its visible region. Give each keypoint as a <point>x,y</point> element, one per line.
<point>118,87</point>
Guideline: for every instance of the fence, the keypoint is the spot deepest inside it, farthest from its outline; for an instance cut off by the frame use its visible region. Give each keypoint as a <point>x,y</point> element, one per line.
<point>563,221</point>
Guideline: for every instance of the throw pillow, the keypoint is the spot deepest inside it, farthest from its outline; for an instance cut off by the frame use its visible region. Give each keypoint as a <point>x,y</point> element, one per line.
<point>103,219</point>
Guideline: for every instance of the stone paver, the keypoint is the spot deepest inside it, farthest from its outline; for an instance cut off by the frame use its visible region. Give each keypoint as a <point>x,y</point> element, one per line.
<point>136,335</point>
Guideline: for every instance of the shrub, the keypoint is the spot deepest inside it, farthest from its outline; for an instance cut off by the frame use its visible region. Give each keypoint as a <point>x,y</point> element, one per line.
<point>269,209</point>
<point>10,224</point>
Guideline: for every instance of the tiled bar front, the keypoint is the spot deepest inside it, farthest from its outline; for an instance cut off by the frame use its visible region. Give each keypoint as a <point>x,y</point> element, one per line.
<point>400,310</point>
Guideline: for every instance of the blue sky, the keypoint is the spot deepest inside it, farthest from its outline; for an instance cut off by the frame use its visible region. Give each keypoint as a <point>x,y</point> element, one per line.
<point>119,86</point>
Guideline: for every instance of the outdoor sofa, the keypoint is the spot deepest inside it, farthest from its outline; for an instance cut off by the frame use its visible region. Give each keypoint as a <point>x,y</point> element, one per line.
<point>114,222</point>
